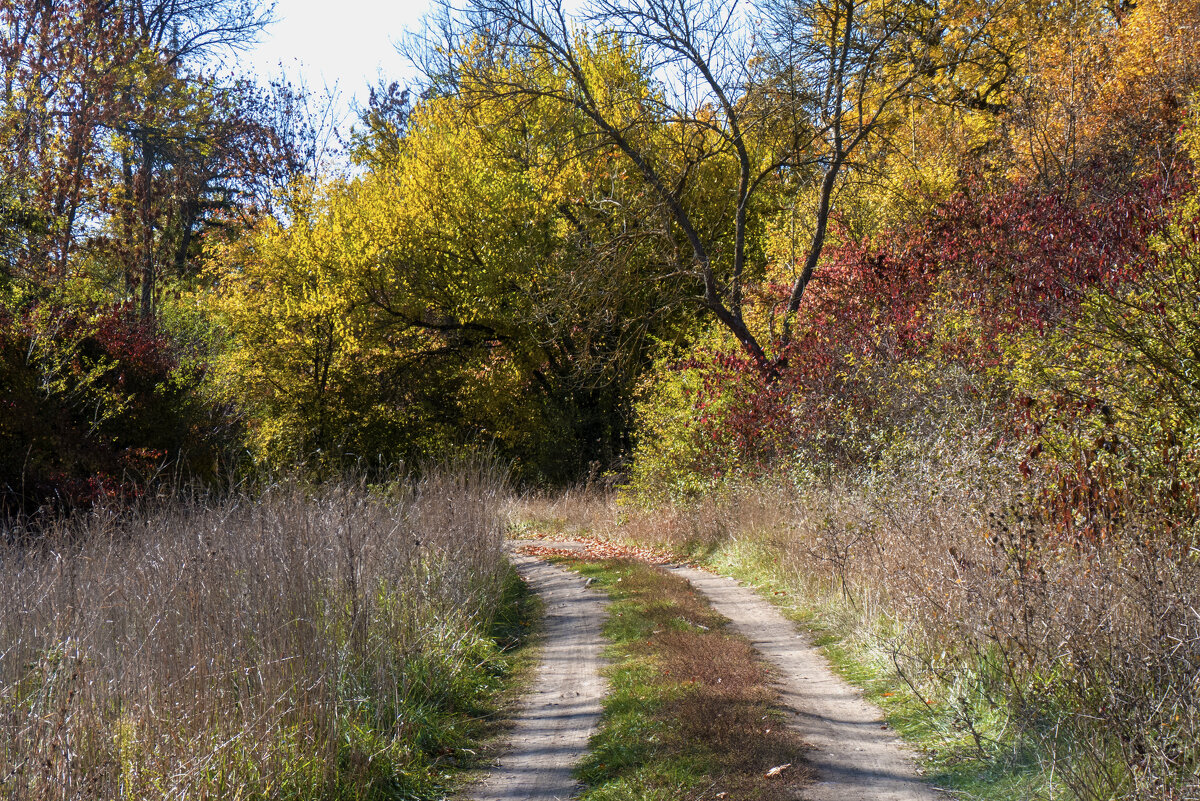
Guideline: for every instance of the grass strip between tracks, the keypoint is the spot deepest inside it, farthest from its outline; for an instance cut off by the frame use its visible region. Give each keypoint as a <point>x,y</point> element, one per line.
<point>689,714</point>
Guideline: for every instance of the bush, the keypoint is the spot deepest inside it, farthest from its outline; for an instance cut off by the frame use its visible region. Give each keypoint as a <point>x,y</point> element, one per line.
<point>1112,406</point>
<point>96,403</point>
<point>896,333</point>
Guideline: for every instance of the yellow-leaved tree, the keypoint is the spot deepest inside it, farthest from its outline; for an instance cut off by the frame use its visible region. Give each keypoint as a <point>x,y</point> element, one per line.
<point>494,276</point>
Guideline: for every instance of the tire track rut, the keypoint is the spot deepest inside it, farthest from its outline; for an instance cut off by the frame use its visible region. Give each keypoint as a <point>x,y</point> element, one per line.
<point>562,708</point>
<point>855,756</point>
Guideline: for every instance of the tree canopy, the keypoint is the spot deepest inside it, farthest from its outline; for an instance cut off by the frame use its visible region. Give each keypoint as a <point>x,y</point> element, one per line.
<point>572,204</point>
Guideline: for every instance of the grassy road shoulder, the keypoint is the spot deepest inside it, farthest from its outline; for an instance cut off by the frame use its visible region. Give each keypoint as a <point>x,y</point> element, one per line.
<point>961,742</point>
<point>503,680</point>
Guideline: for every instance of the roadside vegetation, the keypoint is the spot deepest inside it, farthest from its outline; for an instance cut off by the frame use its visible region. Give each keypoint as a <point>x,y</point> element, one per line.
<point>1020,666</point>
<point>339,641</point>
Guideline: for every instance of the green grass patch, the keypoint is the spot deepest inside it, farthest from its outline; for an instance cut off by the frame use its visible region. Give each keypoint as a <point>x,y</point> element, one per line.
<point>459,742</point>
<point>449,718</point>
<point>454,714</point>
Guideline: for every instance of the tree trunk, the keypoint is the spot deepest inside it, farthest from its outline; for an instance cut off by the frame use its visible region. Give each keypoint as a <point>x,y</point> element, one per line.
<point>147,222</point>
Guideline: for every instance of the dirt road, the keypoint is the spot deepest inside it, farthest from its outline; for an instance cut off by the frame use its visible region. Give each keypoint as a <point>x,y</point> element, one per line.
<point>563,706</point>
<point>855,757</point>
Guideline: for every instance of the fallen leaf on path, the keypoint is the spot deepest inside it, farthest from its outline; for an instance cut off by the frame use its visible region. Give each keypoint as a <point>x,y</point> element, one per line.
<point>601,549</point>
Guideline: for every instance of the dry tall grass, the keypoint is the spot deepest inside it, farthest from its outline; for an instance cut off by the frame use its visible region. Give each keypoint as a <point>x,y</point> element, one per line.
<point>297,644</point>
<point>1091,649</point>
<point>1010,631</point>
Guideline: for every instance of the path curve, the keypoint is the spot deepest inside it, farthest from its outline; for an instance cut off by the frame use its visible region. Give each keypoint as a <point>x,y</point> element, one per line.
<point>562,709</point>
<point>854,756</point>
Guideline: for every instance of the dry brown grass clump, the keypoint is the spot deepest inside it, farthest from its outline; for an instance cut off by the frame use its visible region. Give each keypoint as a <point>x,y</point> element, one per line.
<point>1007,628</point>
<point>301,643</point>
<point>586,510</point>
<point>594,511</point>
<point>719,706</point>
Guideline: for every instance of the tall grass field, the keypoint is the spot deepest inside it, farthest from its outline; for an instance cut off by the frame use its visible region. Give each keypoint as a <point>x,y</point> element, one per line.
<point>300,643</point>
<point>1025,665</point>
